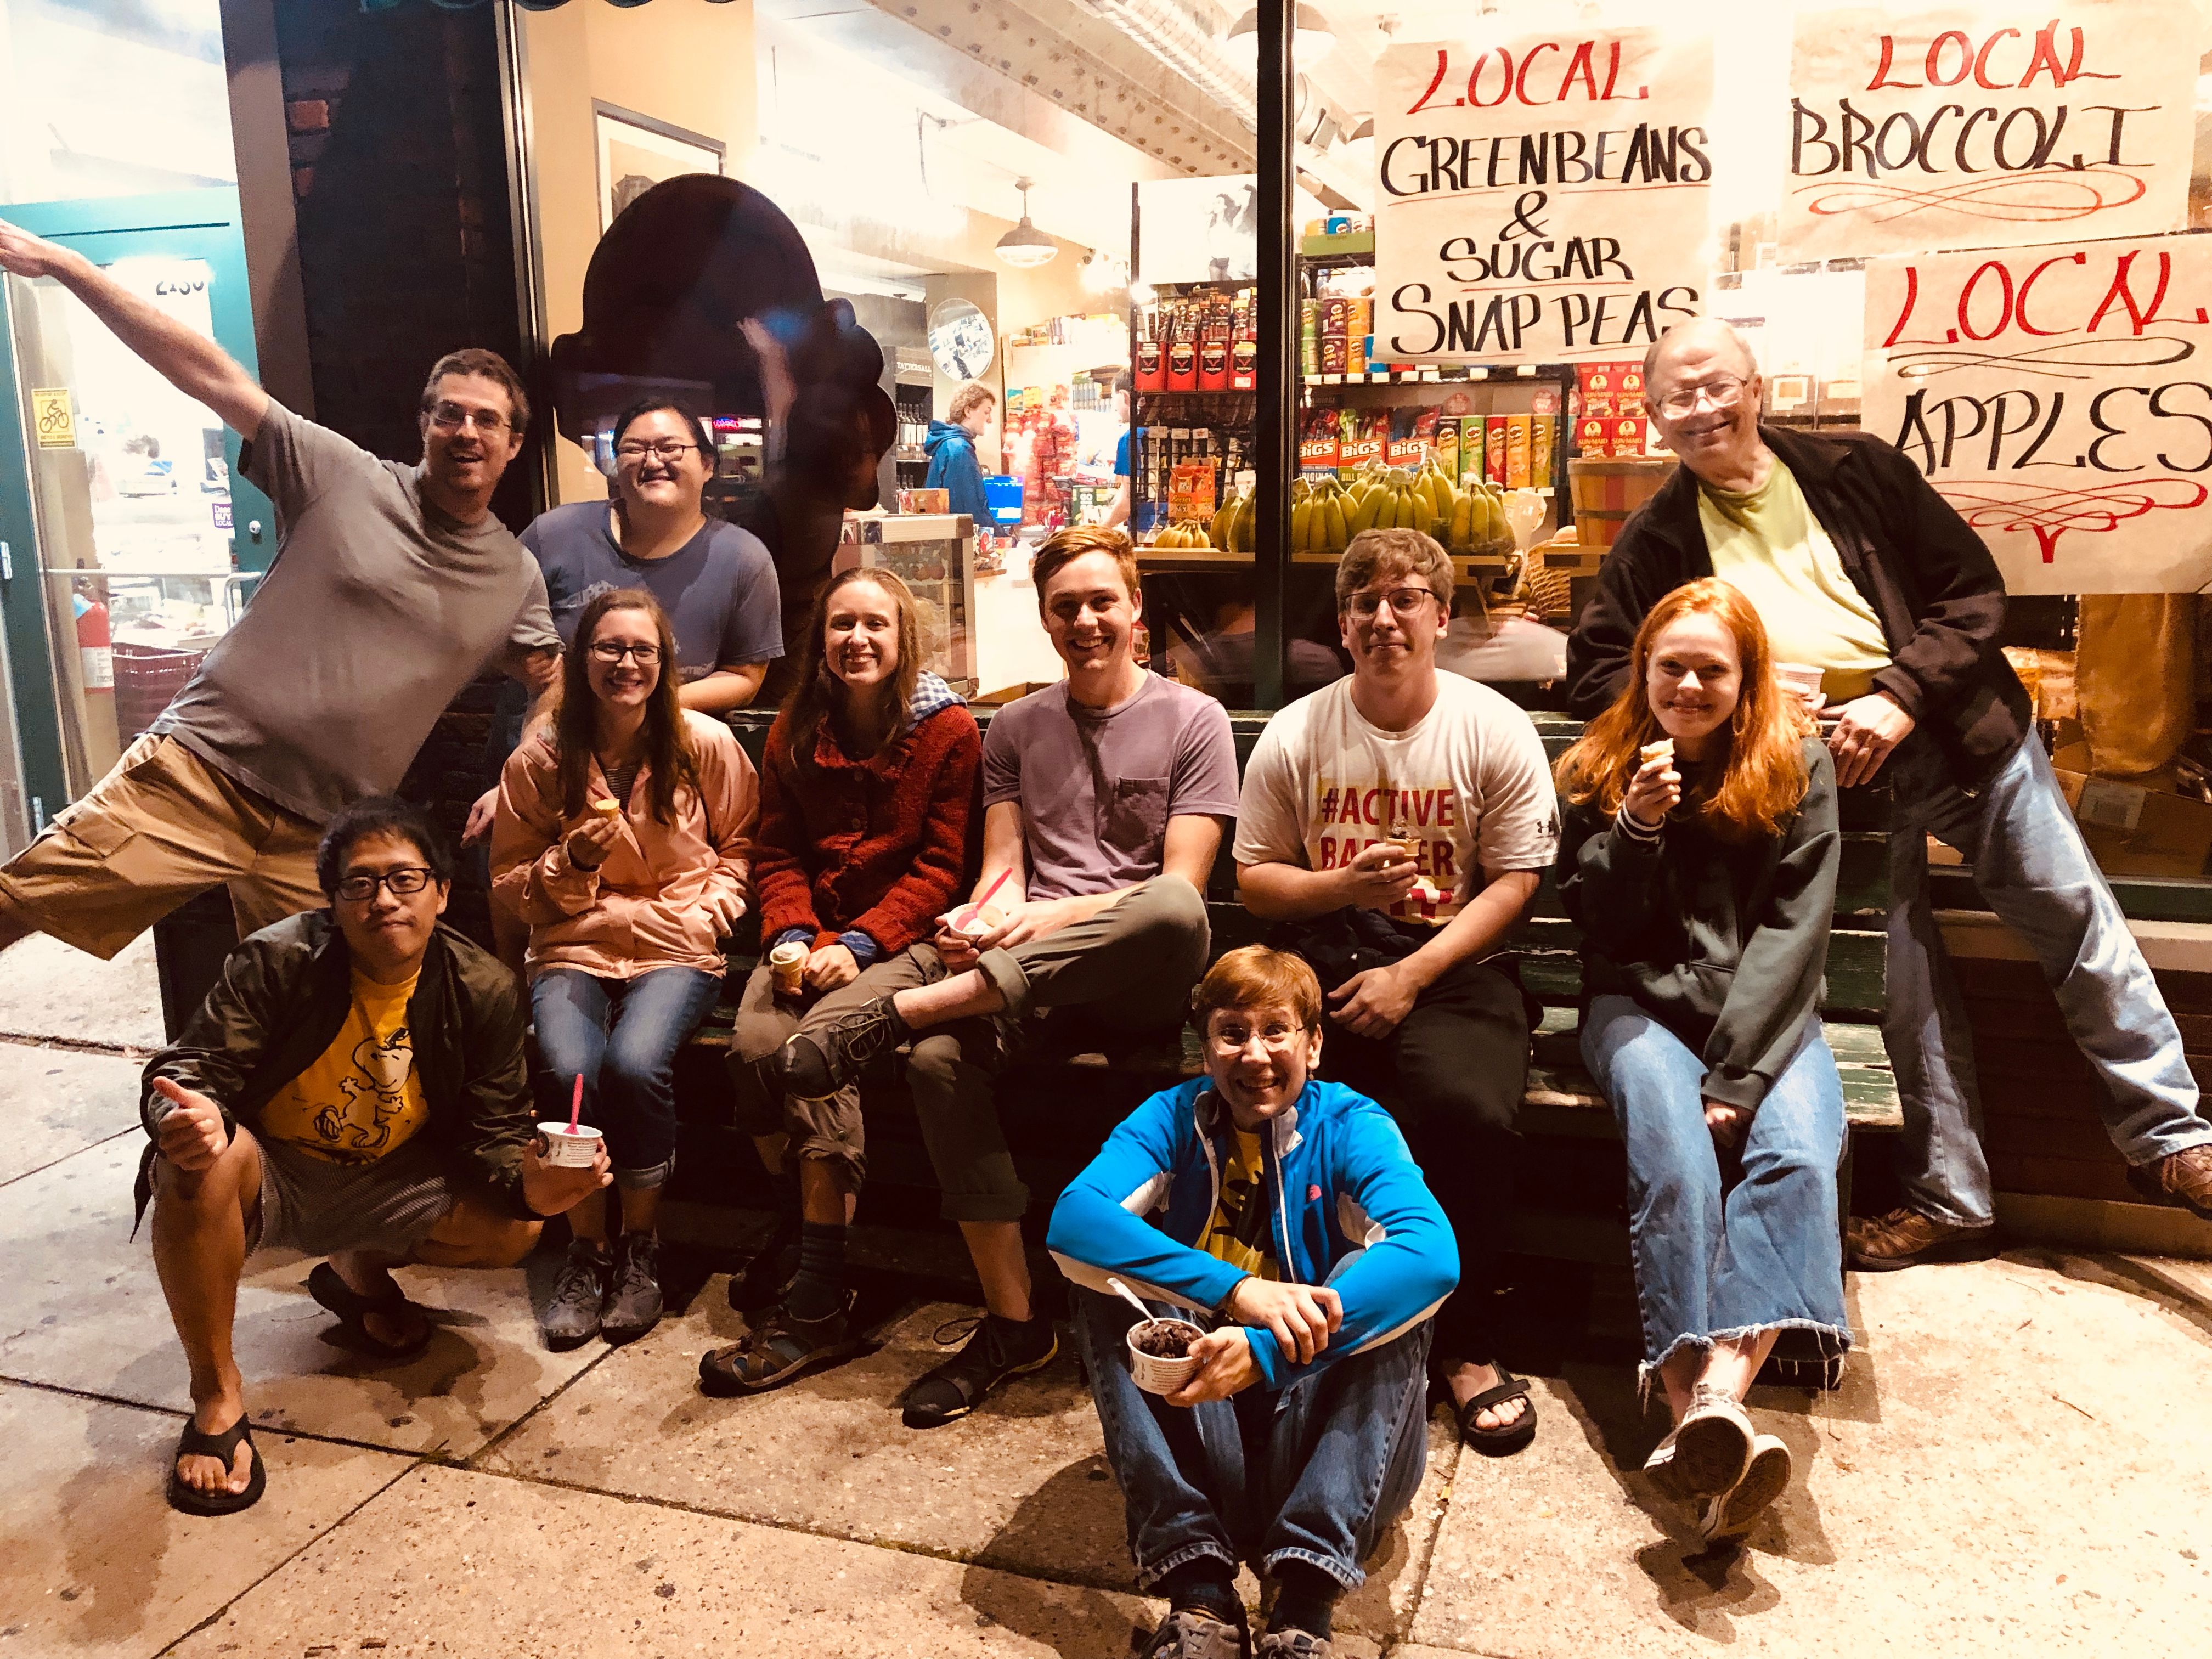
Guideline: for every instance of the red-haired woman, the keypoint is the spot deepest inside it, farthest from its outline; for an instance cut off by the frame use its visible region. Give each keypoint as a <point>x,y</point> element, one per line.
<point>1699,856</point>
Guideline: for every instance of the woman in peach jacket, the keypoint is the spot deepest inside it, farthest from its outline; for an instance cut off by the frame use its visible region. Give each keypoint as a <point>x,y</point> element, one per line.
<point>621,837</point>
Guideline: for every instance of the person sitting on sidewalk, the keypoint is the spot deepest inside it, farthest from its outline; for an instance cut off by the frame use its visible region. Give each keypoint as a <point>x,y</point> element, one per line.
<point>868,799</point>
<point>1861,569</point>
<point>1286,1212</point>
<point>622,839</point>
<point>393,587</point>
<point>1103,802</point>
<point>1396,824</point>
<point>353,1087</point>
<point>1699,860</point>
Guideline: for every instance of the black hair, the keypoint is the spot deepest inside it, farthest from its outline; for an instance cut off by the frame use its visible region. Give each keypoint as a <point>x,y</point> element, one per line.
<point>378,815</point>
<point>654,405</point>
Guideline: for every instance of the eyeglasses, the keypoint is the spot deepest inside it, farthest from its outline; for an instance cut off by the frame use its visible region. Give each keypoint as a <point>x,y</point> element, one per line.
<point>406,881</point>
<point>452,417</point>
<point>668,450</point>
<point>1402,601</point>
<point>609,651</point>
<point>1231,1036</point>
<point>1722,392</point>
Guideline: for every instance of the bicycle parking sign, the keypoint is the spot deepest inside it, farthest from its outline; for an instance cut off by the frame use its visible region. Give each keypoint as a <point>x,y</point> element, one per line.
<point>54,418</point>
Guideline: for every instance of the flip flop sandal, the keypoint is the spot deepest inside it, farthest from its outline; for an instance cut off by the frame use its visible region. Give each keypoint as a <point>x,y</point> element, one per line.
<point>353,1308</point>
<point>780,1351</point>
<point>1501,1441</point>
<point>196,1442</point>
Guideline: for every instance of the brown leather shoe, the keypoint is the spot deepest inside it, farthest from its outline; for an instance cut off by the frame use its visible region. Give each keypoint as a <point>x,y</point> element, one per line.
<point>1905,1238</point>
<point>2183,1179</point>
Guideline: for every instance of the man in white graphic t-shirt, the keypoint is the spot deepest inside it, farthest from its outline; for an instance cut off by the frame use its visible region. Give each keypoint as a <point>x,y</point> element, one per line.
<point>1396,824</point>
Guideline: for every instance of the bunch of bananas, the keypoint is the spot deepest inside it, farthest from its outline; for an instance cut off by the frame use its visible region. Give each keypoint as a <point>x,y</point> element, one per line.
<point>1180,535</point>
<point>1236,522</point>
<point>1325,515</point>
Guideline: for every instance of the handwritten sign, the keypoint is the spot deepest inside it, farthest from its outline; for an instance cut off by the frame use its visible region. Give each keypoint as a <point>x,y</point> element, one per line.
<point>2060,398</point>
<point>1952,126</point>
<point>1542,199</point>
<point>54,417</point>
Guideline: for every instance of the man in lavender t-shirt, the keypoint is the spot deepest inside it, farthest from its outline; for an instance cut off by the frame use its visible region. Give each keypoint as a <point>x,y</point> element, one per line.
<point>1103,802</point>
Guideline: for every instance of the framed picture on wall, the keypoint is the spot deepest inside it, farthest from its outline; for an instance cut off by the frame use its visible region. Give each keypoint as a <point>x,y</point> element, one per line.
<point>637,152</point>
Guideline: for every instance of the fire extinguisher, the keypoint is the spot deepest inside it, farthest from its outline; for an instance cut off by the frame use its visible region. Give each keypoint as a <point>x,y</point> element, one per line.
<point>95,651</point>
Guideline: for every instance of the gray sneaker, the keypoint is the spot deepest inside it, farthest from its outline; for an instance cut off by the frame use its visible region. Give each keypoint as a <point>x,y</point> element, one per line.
<point>1292,1644</point>
<point>1186,1634</point>
<point>572,1314</point>
<point>633,1306</point>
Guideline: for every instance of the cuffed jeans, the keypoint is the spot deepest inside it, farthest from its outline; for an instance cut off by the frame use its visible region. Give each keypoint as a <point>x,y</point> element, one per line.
<point>1314,1473</point>
<point>1714,1262</point>
<point>1128,970</point>
<point>2033,871</point>
<point>621,1036</point>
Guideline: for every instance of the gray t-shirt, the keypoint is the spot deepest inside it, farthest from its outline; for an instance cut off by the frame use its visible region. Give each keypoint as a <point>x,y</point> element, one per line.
<point>378,609</point>
<point>1097,787</point>
<point>719,588</point>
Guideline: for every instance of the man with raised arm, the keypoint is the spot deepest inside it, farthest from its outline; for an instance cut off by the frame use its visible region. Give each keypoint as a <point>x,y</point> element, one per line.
<point>1861,570</point>
<point>1395,826</point>
<point>1103,801</point>
<point>392,588</point>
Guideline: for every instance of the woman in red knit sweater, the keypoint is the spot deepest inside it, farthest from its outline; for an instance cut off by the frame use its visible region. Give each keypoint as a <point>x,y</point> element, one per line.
<point>868,795</point>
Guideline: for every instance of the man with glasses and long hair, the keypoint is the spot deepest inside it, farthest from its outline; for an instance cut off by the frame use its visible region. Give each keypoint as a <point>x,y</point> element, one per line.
<point>1860,570</point>
<point>393,587</point>
<point>1395,826</point>
<point>353,1088</point>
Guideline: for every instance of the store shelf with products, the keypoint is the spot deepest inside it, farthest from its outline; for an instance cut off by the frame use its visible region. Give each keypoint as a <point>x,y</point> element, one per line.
<point>1061,426</point>
<point>1194,350</point>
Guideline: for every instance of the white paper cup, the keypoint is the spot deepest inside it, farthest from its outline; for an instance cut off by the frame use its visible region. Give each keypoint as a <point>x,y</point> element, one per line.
<point>570,1150</point>
<point>986,920</point>
<point>788,960</point>
<point>1800,678</point>
<point>1153,1374</point>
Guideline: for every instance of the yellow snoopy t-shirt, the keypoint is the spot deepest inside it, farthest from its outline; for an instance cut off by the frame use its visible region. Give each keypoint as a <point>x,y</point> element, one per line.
<point>360,1099</point>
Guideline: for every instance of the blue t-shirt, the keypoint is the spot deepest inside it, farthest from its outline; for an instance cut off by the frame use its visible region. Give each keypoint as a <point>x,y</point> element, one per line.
<point>1122,454</point>
<point>719,588</point>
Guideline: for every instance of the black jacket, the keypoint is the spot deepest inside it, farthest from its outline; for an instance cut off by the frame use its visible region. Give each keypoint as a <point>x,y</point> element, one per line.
<point>1724,944</point>
<point>282,999</point>
<point>1927,575</point>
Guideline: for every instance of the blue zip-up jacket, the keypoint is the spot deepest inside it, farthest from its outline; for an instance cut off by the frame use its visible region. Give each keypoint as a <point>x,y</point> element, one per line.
<point>1347,1204</point>
<point>954,469</point>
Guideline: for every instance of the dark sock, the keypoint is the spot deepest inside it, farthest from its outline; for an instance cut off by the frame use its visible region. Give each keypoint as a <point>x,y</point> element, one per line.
<point>1206,1584</point>
<point>819,1290</point>
<point>1305,1599</point>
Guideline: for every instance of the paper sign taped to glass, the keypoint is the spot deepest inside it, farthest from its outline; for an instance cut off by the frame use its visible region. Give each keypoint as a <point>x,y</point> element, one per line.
<point>1540,199</point>
<point>2060,398</point>
<point>1955,126</point>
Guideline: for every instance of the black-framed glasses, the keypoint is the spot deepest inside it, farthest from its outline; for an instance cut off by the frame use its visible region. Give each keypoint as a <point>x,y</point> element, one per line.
<point>452,417</point>
<point>612,651</point>
<point>406,881</point>
<point>1721,390</point>
<point>1402,601</point>
<point>670,449</point>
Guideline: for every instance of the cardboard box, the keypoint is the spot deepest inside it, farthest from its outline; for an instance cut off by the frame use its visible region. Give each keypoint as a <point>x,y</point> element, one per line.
<point>2137,831</point>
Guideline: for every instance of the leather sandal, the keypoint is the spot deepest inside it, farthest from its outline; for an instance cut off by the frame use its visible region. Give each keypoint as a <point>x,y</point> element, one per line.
<point>194,1442</point>
<point>1499,1442</point>
<point>353,1310</point>
<point>779,1350</point>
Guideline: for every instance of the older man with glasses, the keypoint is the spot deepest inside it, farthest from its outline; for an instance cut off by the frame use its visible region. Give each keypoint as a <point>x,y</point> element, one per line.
<point>1862,571</point>
<point>1395,825</point>
<point>393,587</point>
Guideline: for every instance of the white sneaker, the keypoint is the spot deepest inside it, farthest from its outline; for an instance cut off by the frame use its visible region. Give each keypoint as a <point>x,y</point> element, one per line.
<point>1712,1444</point>
<point>1730,1516</point>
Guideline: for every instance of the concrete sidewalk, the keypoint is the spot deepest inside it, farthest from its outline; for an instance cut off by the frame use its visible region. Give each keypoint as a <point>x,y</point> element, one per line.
<point>2016,1464</point>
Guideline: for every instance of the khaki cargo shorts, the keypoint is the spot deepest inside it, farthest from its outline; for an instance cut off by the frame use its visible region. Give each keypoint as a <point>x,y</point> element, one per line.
<point>162,826</point>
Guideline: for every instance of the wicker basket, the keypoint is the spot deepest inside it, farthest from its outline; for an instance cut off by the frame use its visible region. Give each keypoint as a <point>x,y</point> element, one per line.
<point>1607,493</point>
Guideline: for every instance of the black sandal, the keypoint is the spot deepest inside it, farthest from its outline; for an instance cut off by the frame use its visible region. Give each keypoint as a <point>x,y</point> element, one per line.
<point>781,1349</point>
<point>1501,1441</point>
<point>353,1310</point>
<point>194,1442</point>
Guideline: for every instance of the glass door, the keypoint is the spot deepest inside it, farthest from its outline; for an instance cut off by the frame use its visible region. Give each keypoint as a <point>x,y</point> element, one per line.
<point>133,542</point>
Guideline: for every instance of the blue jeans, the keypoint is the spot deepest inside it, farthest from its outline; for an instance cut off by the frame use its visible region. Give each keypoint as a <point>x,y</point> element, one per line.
<point>1312,1474</point>
<point>1713,1261</point>
<point>621,1036</point>
<point>2033,871</point>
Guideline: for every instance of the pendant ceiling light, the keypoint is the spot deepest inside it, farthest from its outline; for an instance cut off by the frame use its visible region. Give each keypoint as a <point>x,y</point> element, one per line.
<point>1312,35</point>
<point>1025,246</point>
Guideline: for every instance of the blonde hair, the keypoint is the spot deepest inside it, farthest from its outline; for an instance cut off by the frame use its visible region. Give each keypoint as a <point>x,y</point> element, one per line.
<point>969,397</point>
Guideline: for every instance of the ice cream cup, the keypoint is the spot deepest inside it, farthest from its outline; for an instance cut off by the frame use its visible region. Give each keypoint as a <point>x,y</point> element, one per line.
<point>976,921</point>
<point>570,1149</point>
<point>788,960</point>
<point>1801,679</point>
<point>1155,1373</point>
